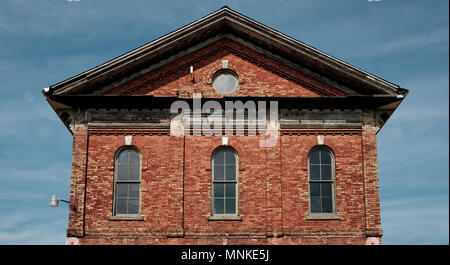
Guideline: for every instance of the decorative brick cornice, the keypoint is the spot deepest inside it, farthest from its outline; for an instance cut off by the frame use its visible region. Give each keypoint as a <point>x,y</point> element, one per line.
<point>129,131</point>
<point>320,131</point>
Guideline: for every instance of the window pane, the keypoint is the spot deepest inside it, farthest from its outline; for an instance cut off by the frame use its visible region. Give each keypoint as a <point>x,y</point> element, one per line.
<point>230,172</point>
<point>326,172</point>
<point>230,205</point>
<point>134,158</point>
<point>315,205</point>
<point>314,157</point>
<point>326,205</point>
<point>127,195</point>
<point>218,190</point>
<point>122,172</point>
<point>224,82</point>
<point>133,190</point>
<point>123,158</point>
<point>133,206</point>
<point>219,157</point>
<point>219,172</point>
<point>326,189</point>
<point>320,168</point>
<point>134,172</point>
<point>230,190</point>
<point>219,206</point>
<point>121,190</point>
<point>325,157</point>
<point>315,189</point>
<point>121,206</point>
<point>314,172</point>
<point>229,158</point>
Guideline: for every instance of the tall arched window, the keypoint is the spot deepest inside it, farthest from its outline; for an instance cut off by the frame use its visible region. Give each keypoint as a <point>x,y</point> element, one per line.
<point>321,180</point>
<point>127,182</point>
<point>224,182</point>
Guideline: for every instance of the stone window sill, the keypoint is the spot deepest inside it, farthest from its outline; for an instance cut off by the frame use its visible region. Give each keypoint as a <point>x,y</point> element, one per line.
<point>127,218</point>
<point>225,218</point>
<point>323,216</point>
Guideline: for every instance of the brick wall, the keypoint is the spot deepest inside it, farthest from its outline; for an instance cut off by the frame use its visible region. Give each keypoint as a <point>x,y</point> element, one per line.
<point>273,192</point>
<point>176,171</point>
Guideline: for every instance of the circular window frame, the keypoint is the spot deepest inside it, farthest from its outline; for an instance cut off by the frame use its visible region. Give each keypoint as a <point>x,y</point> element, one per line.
<point>225,71</point>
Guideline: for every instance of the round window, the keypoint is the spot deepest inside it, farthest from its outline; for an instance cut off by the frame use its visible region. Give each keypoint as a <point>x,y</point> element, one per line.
<point>225,81</point>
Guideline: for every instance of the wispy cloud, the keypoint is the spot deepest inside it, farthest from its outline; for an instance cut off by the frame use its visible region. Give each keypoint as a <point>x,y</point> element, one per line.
<point>406,43</point>
<point>418,220</point>
<point>33,227</point>
<point>418,41</point>
<point>27,170</point>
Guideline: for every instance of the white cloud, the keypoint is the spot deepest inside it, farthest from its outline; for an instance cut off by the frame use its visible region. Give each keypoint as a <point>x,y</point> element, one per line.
<point>420,40</point>
<point>33,227</point>
<point>25,115</point>
<point>419,220</point>
<point>412,42</point>
<point>55,172</point>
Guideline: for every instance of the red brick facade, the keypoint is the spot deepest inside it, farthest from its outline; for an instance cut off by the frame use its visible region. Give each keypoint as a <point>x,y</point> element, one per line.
<point>176,171</point>
<point>176,174</point>
<point>176,191</point>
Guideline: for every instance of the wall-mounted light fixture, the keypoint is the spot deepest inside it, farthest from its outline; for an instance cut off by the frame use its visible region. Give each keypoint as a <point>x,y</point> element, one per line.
<point>192,73</point>
<point>54,202</point>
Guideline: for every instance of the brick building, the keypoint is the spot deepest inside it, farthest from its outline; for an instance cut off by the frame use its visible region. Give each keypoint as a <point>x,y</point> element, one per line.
<point>148,166</point>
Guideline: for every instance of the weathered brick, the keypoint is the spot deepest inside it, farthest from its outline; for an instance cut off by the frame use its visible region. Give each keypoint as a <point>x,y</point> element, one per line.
<point>176,171</point>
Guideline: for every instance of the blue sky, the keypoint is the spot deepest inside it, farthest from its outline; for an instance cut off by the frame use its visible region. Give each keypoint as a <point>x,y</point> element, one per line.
<point>404,41</point>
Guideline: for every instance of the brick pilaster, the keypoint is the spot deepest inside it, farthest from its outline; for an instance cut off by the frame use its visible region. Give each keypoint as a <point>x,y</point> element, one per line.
<point>175,190</point>
<point>78,182</point>
<point>370,168</point>
<point>274,199</point>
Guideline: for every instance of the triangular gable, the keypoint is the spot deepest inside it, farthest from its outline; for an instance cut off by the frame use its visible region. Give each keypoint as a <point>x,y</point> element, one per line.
<point>311,64</point>
<point>259,76</point>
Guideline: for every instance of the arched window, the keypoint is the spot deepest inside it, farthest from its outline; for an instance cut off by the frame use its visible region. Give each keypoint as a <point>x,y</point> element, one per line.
<point>127,180</point>
<point>321,180</point>
<point>224,182</point>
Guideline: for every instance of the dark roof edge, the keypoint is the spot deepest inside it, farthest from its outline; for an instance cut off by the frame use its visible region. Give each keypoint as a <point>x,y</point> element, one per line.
<point>149,101</point>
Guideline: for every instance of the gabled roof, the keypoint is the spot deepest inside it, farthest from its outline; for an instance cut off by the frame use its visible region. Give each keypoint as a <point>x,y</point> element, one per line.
<point>226,22</point>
